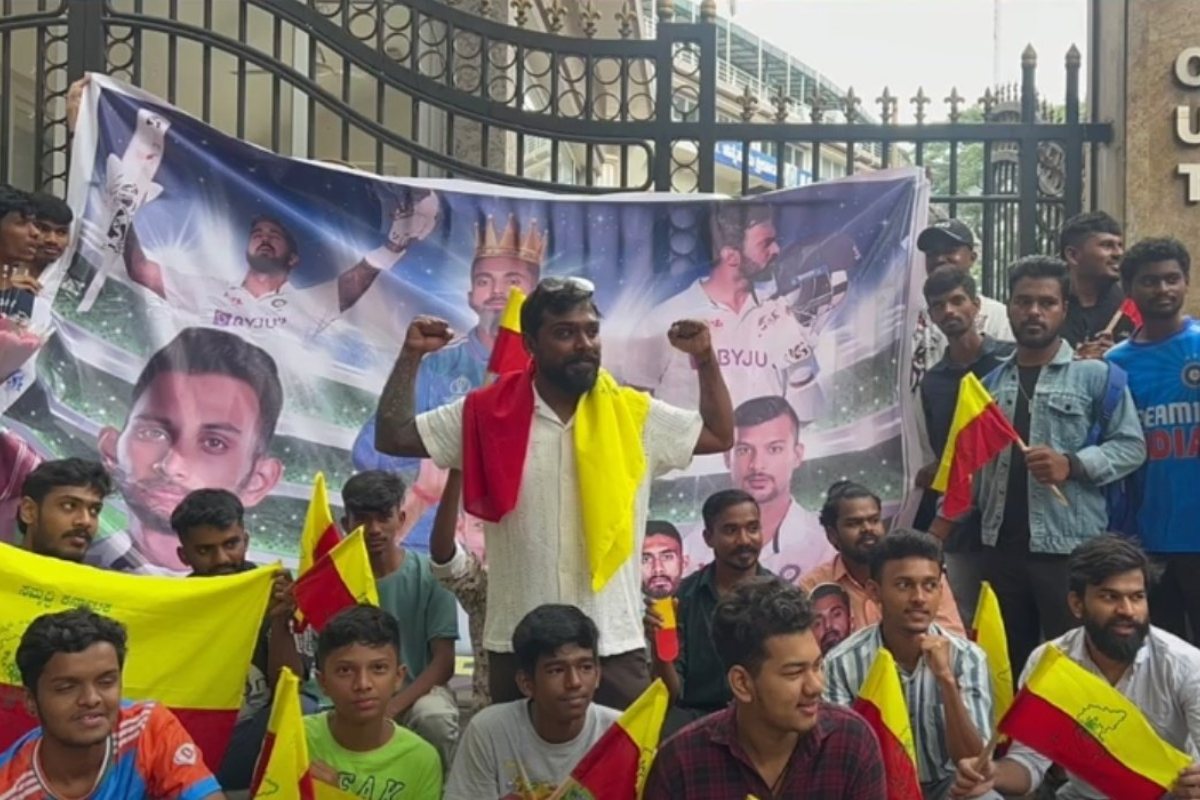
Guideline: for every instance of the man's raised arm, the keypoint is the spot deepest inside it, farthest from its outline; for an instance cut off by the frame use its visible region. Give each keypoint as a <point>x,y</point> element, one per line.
<point>396,433</point>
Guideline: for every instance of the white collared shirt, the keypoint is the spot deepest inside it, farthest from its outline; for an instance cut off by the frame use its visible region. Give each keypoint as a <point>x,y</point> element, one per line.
<point>1163,681</point>
<point>536,553</point>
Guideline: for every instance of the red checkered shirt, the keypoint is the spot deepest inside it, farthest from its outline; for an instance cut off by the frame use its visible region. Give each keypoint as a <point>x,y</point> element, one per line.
<point>838,760</point>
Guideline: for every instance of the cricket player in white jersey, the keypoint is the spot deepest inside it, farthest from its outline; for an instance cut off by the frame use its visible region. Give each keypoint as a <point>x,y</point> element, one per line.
<point>764,308</point>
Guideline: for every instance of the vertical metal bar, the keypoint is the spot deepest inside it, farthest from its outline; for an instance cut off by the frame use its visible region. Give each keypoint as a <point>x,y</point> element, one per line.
<point>206,68</point>
<point>137,46</point>
<point>664,120</point>
<point>313,67</point>
<point>347,68</point>
<point>173,55</point>
<point>519,98</point>
<point>954,178</point>
<point>1027,192</point>
<point>1073,163</point>
<point>6,97</point>
<point>85,40</point>
<point>990,229</point>
<point>815,162</point>
<point>745,167</point>
<point>707,118</point>
<point>276,88</point>
<point>485,92</point>
<point>241,73</point>
<point>850,165</point>
<point>41,175</point>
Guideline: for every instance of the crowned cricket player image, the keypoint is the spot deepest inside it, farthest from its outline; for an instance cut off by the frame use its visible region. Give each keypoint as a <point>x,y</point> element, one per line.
<point>765,308</point>
<point>506,257</point>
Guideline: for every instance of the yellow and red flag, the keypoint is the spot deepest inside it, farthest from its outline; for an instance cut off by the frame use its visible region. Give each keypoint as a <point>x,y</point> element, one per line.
<point>881,701</point>
<point>979,432</point>
<point>282,772</point>
<point>172,625</point>
<point>987,631</point>
<point>320,531</point>
<point>508,350</point>
<point>1078,720</point>
<point>666,638</point>
<point>616,766</point>
<point>342,578</point>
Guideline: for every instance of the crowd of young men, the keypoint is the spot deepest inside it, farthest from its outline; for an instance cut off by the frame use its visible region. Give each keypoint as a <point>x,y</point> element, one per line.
<point>768,664</point>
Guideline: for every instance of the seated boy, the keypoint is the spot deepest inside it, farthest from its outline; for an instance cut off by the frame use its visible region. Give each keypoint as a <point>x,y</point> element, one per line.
<point>356,746</point>
<point>526,748</point>
<point>90,743</point>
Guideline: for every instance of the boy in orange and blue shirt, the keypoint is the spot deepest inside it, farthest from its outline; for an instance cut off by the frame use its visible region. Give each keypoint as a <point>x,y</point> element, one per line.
<point>90,743</point>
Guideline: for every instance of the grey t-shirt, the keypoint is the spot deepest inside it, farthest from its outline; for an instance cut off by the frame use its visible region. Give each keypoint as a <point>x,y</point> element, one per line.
<point>500,750</point>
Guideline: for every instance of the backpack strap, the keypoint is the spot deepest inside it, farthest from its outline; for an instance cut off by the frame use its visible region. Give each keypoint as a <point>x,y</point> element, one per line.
<point>1115,382</point>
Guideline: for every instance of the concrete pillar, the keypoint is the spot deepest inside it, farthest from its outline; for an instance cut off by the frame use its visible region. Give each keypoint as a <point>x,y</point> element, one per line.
<point>1162,124</point>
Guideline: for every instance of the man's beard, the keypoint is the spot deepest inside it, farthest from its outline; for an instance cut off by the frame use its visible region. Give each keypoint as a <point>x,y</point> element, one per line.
<point>266,265</point>
<point>573,381</point>
<point>762,273</point>
<point>1036,341</point>
<point>831,639</point>
<point>1122,648</point>
<point>861,552</point>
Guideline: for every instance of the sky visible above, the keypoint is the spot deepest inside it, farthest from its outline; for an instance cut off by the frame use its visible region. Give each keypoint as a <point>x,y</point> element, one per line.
<point>937,44</point>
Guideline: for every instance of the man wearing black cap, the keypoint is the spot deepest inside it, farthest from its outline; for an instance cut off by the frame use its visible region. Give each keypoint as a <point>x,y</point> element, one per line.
<point>947,242</point>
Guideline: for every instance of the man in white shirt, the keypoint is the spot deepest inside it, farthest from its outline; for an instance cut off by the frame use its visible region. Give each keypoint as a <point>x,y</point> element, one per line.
<point>528,747</point>
<point>950,241</point>
<point>766,454</point>
<point>536,552</point>
<point>1108,580</point>
<point>764,326</point>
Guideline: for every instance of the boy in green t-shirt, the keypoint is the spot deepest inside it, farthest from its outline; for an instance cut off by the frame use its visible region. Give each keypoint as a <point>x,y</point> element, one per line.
<point>356,746</point>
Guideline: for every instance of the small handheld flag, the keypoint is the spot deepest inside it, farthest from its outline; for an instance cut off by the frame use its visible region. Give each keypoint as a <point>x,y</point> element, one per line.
<point>508,350</point>
<point>987,631</point>
<point>979,432</point>
<point>881,701</point>
<point>342,578</point>
<point>666,638</point>
<point>1078,720</point>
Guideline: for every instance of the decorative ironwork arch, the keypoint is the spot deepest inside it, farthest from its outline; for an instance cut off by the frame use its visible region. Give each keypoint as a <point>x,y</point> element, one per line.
<point>420,87</point>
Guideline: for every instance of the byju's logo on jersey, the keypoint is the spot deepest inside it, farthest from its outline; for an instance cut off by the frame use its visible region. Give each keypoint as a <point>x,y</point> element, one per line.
<point>1191,375</point>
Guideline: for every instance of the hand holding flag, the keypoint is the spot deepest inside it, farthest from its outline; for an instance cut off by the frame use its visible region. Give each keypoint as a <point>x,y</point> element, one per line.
<point>1078,720</point>
<point>666,632</point>
<point>979,432</point>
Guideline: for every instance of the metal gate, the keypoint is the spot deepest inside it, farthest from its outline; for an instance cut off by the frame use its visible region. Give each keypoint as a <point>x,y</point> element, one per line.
<point>587,95</point>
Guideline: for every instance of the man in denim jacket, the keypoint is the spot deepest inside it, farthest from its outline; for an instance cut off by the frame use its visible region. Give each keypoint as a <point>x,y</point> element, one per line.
<point>1053,401</point>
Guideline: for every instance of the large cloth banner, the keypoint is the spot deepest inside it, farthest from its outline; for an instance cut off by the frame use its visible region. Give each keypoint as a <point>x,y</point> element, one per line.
<point>227,317</point>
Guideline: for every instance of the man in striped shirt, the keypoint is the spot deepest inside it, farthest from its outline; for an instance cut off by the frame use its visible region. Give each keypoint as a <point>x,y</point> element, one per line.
<point>944,677</point>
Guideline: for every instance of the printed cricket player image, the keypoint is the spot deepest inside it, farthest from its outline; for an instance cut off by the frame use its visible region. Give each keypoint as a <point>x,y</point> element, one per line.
<point>765,309</point>
<point>266,299</point>
<point>505,258</point>
<point>202,416</point>
<point>663,563</point>
<point>766,454</point>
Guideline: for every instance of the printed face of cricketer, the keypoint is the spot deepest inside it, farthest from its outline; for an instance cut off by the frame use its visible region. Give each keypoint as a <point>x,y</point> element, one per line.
<point>491,278</point>
<point>186,432</point>
<point>762,462</point>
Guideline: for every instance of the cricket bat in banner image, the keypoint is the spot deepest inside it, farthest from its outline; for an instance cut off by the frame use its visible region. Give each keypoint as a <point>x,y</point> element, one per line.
<point>129,184</point>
